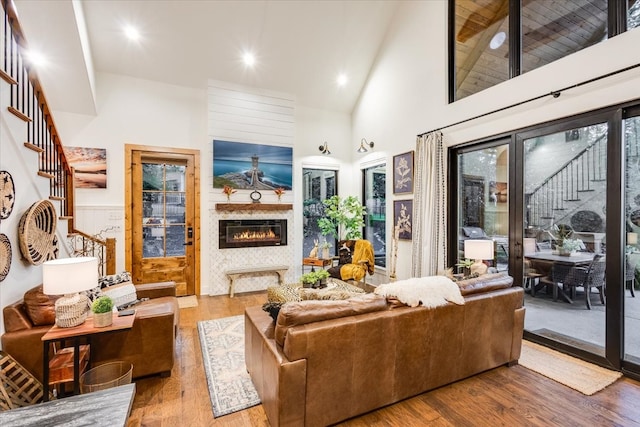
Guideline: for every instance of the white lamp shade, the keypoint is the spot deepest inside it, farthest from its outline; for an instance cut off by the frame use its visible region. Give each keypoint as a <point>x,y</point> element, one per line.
<point>632,238</point>
<point>69,275</point>
<point>530,247</point>
<point>478,249</point>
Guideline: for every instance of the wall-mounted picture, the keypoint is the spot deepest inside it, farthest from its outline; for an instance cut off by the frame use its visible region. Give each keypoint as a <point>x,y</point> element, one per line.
<point>402,218</point>
<point>498,192</point>
<point>403,173</point>
<point>90,166</point>
<point>252,166</point>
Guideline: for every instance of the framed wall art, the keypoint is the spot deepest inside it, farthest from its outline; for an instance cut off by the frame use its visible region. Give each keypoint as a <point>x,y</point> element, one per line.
<point>252,166</point>
<point>90,166</point>
<point>402,218</point>
<point>403,173</point>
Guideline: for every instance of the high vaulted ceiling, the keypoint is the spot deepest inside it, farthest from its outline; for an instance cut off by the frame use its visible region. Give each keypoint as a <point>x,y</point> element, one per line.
<point>300,46</point>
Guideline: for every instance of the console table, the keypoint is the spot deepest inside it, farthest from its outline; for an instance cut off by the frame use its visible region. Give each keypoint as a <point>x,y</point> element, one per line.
<point>76,333</point>
<point>104,408</point>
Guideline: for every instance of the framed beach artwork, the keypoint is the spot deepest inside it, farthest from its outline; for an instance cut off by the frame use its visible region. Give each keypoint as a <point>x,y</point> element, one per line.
<point>252,166</point>
<point>90,165</point>
<point>402,218</point>
<point>403,173</point>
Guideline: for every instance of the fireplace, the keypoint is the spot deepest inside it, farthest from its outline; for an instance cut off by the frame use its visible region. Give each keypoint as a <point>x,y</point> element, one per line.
<point>247,233</point>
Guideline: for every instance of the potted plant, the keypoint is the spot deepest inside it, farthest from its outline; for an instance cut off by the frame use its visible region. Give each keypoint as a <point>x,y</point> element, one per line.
<point>322,276</point>
<point>309,279</point>
<point>102,312</point>
<point>344,218</point>
<point>570,246</point>
<point>466,266</point>
<point>325,246</point>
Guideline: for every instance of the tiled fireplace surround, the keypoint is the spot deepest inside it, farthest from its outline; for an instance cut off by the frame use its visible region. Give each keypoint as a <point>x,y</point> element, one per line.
<point>225,259</point>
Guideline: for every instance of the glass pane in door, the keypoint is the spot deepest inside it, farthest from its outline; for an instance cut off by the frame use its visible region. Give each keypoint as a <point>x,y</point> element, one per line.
<point>565,180</point>
<point>632,252</point>
<point>318,185</point>
<point>483,210</point>
<point>163,210</point>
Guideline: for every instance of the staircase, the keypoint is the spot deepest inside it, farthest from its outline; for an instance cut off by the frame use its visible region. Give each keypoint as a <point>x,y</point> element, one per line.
<point>581,179</point>
<point>27,102</point>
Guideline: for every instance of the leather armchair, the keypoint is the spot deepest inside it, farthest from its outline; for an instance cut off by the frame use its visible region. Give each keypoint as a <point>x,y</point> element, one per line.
<point>149,345</point>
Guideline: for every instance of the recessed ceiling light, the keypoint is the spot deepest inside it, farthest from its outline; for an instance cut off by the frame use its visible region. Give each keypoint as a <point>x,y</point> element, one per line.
<point>342,80</point>
<point>498,40</point>
<point>249,59</point>
<point>132,33</point>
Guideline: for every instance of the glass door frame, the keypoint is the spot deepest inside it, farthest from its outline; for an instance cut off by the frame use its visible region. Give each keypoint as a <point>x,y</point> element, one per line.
<point>615,227</point>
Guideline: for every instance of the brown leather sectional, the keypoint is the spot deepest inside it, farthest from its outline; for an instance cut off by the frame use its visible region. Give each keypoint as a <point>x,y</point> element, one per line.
<point>149,345</point>
<point>327,361</point>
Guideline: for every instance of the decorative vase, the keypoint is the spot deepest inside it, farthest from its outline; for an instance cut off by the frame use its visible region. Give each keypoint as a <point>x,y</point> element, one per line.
<point>325,253</point>
<point>565,252</point>
<point>101,320</point>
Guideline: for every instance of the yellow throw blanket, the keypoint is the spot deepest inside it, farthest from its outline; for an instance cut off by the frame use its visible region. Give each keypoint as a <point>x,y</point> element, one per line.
<point>357,269</point>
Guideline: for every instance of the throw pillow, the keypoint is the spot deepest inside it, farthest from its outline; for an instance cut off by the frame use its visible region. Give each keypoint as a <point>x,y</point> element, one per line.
<point>40,307</point>
<point>93,293</point>
<point>121,294</point>
<point>114,279</point>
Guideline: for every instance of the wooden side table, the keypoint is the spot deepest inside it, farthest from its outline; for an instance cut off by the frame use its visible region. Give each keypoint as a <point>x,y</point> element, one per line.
<point>316,262</point>
<point>76,334</point>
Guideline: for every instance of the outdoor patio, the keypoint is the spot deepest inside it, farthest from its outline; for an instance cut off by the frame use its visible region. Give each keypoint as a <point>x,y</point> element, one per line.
<point>574,324</point>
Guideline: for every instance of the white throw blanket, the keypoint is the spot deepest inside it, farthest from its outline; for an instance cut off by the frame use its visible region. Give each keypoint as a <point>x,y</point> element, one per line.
<point>431,291</point>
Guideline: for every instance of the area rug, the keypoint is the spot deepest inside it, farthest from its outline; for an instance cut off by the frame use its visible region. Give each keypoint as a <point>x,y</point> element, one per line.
<point>188,302</point>
<point>222,343</point>
<point>582,376</point>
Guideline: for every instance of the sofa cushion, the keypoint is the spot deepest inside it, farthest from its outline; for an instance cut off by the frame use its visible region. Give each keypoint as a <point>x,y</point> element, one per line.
<point>485,283</point>
<point>40,307</point>
<point>309,311</point>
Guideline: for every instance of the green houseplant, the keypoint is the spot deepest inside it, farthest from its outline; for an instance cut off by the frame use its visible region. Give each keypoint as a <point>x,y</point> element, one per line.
<point>344,218</point>
<point>309,279</point>
<point>102,311</point>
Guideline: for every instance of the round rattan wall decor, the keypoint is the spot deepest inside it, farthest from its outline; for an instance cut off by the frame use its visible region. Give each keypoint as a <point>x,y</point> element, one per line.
<point>7,194</point>
<point>5,256</point>
<point>37,233</point>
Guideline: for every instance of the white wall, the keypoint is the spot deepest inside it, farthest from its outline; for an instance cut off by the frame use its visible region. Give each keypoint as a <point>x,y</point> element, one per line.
<point>406,93</point>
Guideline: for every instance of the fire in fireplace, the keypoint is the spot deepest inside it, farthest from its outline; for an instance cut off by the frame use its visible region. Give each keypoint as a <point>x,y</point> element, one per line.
<point>246,233</point>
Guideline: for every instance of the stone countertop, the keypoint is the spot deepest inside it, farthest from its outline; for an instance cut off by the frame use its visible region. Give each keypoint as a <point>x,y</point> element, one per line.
<point>110,407</point>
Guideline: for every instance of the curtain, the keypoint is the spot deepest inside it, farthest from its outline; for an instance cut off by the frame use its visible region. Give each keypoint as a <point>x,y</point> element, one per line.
<point>429,249</point>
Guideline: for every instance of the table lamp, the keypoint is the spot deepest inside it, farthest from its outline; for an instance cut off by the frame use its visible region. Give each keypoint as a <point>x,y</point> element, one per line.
<point>478,250</point>
<point>68,277</point>
<point>632,238</point>
<point>530,247</point>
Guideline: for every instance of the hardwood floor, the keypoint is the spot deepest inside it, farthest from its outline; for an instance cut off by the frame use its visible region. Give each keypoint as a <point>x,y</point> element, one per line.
<point>504,396</point>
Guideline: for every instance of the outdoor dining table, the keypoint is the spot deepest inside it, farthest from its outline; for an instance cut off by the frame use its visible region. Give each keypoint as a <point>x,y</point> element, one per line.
<point>575,260</point>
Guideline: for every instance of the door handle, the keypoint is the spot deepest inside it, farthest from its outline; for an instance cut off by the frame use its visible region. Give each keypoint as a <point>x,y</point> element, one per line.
<point>187,244</point>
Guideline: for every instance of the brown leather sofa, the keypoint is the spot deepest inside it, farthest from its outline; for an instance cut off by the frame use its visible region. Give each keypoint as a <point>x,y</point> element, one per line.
<point>149,345</point>
<point>327,361</point>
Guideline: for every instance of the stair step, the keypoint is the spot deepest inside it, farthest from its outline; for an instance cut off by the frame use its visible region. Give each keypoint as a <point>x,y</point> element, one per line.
<point>19,114</point>
<point>7,78</point>
<point>559,209</point>
<point>585,191</point>
<point>64,217</point>
<point>598,180</point>
<point>58,198</point>
<point>547,217</point>
<point>572,200</point>
<point>46,175</point>
<point>33,147</point>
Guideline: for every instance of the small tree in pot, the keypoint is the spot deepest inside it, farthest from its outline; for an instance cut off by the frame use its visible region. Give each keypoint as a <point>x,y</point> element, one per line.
<point>102,312</point>
<point>344,218</point>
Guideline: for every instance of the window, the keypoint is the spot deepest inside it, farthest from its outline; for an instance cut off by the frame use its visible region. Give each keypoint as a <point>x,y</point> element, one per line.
<point>374,193</point>
<point>485,53</point>
<point>319,184</point>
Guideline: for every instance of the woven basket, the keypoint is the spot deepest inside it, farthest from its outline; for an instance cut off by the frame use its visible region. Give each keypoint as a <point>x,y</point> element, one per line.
<point>18,387</point>
<point>5,256</point>
<point>37,233</point>
<point>71,311</point>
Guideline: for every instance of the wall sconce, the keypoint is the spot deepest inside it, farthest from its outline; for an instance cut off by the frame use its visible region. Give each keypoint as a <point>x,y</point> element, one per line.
<point>324,149</point>
<point>362,148</point>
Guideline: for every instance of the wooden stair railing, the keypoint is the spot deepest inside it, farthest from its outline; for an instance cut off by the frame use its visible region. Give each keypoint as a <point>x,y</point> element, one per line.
<point>28,103</point>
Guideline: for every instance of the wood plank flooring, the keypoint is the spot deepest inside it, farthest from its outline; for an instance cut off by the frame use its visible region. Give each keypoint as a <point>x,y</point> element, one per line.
<point>504,396</point>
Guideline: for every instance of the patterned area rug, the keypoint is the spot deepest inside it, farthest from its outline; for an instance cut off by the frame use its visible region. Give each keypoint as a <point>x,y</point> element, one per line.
<point>582,376</point>
<point>222,343</point>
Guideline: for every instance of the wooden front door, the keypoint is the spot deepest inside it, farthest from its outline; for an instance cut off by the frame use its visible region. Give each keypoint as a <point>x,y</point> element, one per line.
<point>162,216</point>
